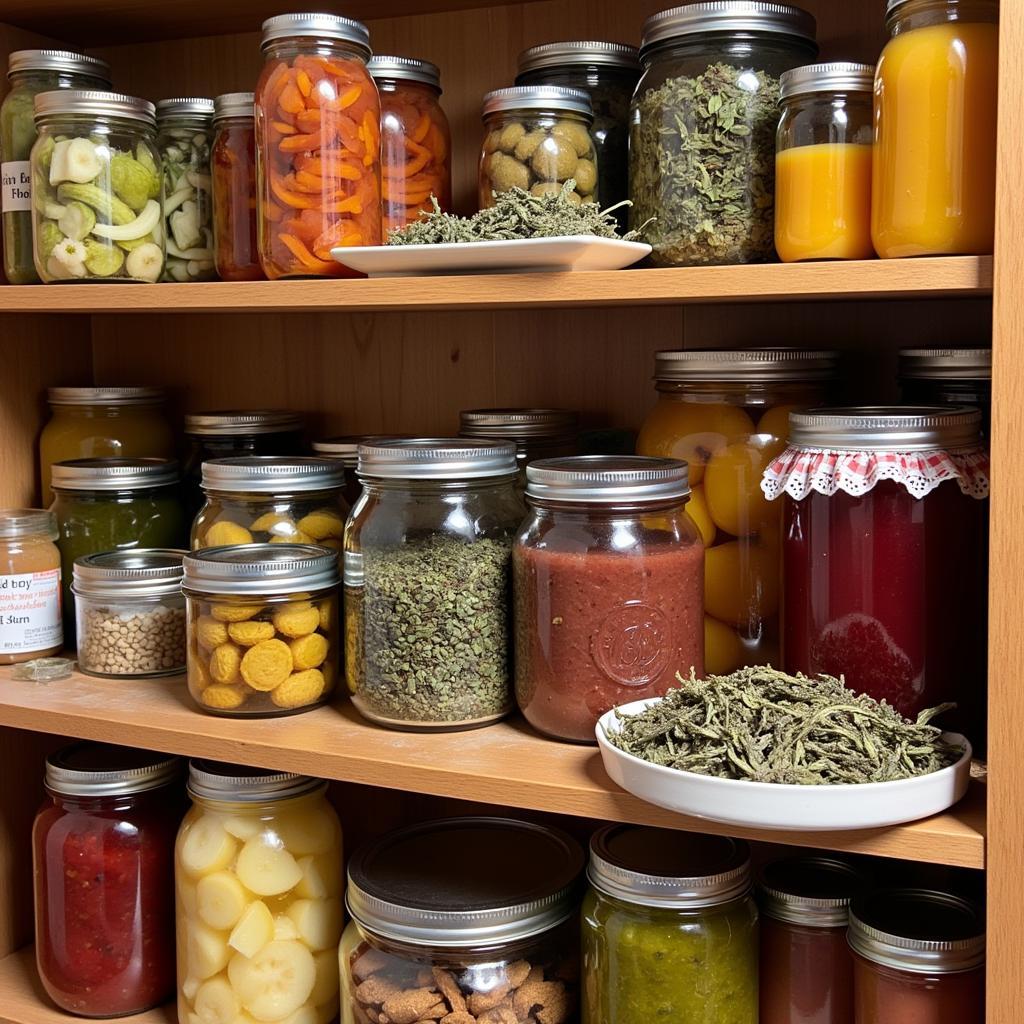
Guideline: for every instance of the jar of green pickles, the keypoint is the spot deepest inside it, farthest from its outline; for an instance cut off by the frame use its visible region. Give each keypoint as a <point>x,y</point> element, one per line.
<point>669,930</point>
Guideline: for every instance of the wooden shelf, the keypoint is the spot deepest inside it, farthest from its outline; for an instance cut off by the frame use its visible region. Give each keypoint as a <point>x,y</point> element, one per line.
<point>506,764</point>
<point>946,277</point>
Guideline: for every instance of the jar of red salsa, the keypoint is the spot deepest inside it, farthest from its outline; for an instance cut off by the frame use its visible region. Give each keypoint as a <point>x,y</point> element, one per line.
<point>104,879</point>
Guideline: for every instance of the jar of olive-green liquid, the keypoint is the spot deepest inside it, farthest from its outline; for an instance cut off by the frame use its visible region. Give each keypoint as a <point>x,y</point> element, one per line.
<point>669,929</point>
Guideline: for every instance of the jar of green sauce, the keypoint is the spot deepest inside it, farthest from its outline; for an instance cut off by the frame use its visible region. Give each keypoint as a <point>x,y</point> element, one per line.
<point>669,929</point>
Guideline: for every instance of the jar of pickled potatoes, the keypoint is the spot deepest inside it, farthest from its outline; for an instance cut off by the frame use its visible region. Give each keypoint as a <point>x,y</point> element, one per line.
<point>262,628</point>
<point>235,251</point>
<point>538,137</point>
<point>726,414</point>
<point>415,139</point>
<point>257,871</point>
<point>317,144</point>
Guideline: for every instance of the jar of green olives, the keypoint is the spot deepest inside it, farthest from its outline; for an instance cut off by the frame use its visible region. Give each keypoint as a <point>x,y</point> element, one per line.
<point>538,138</point>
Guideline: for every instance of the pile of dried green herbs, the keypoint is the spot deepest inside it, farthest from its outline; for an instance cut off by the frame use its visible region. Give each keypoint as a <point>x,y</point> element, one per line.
<point>761,725</point>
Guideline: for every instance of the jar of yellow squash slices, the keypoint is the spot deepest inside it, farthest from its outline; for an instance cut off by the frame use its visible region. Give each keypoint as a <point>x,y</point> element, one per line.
<point>263,636</point>
<point>726,413</point>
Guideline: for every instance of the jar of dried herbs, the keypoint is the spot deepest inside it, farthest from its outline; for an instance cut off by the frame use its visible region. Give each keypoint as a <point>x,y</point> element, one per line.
<point>702,139</point>
<point>427,581</point>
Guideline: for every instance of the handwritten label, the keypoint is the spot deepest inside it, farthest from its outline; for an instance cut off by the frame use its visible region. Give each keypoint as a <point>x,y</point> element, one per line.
<point>16,176</point>
<point>30,612</point>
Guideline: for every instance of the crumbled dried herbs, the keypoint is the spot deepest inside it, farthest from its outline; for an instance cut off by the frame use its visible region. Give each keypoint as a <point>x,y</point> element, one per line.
<point>702,162</point>
<point>762,725</point>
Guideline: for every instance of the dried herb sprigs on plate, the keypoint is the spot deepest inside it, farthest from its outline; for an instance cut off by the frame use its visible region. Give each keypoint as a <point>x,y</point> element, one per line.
<point>761,725</point>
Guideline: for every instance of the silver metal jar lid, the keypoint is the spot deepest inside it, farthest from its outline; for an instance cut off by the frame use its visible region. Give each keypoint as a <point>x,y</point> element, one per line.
<point>836,76</point>
<point>271,474</point>
<point>579,53</point>
<point>105,396</point>
<point>465,882</point>
<point>345,449</point>
<point>517,424</point>
<point>539,97</point>
<point>728,16</point>
<point>184,106</point>
<point>946,363</point>
<point>27,522</point>
<point>96,103</point>
<point>104,769</point>
<point>918,930</point>
<point>657,867</point>
<point>318,26</point>
<point>265,570</point>
<point>436,458</point>
<point>608,479</point>
<point>892,5</point>
<point>113,474</point>
<point>133,573</point>
<point>236,783</point>
<point>408,69</point>
<point>908,428</point>
<point>750,365</point>
<point>58,60</point>
<point>234,104</point>
<point>811,891</point>
<point>242,422</point>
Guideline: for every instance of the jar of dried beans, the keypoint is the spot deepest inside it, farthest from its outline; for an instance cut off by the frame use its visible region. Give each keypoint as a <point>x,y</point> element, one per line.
<point>235,250</point>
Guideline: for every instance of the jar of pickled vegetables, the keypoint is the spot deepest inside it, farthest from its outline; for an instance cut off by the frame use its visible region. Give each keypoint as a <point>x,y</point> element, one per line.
<point>948,376</point>
<point>263,632</point>
<point>669,929</point>
<point>415,139</point>
<point>96,196</point>
<point>536,433</point>
<point>538,137</point>
<point>726,413</point>
<point>235,249</point>
<point>31,72</point>
<point>933,190</point>
<point>823,163</point>
<point>257,871</point>
<point>29,585</point>
<point>317,144</point>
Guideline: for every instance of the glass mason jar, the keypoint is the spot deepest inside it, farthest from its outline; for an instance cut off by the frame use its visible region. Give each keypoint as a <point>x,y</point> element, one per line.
<point>823,163</point>
<point>918,955</point>
<point>345,449</point>
<point>235,248</point>
<point>317,145</point>
<point>609,577</point>
<point>466,919</point>
<point>538,137</point>
<point>536,433</point>
<point>29,585</point>
<point>712,69</point>
<point>185,138</point>
<point>103,846</point>
<point>428,581</point>
<point>113,505</point>
<point>257,870</point>
<point>416,142</point>
<point>96,188</point>
<point>31,72</point>
<point>806,964</point>
<point>130,613</point>
<point>608,73</point>
<point>726,413</point>
<point>676,947</point>
<point>933,189</point>
<point>948,376</point>
<point>263,628</point>
<point>275,499</point>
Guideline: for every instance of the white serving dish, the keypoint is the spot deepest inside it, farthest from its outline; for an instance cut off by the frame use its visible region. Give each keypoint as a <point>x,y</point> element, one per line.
<point>782,808</point>
<point>519,256</point>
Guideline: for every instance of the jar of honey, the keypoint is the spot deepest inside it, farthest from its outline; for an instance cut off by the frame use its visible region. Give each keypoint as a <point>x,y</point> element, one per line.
<point>30,625</point>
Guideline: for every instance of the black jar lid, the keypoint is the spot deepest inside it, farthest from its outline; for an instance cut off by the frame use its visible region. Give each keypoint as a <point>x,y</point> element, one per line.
<point>812,891</point>
<point>104,769</point>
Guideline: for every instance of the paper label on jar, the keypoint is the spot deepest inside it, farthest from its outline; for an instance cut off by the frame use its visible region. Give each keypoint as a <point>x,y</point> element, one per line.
<point>17,186</point>
<point>30,612</point>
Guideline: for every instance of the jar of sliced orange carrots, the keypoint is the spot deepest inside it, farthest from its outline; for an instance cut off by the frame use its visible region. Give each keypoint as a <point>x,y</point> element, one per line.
<point>317,144</point>
<point>415,140</point>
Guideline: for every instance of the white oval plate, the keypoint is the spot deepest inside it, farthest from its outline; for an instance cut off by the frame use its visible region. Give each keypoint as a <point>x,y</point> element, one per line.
<point>781,807</point>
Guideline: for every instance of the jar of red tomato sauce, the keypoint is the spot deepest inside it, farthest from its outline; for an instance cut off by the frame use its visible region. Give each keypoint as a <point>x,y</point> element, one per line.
<point>233,160</point>
<point>103,846</point>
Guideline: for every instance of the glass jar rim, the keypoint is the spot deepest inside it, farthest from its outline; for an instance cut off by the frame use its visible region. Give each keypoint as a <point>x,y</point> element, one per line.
<point>892,7</point>
<point>273,570</point>
<point>815,892</point>
<point>16,523</point>
<point>234,783</point>
<point>90,769</point>
<point>60,61</point>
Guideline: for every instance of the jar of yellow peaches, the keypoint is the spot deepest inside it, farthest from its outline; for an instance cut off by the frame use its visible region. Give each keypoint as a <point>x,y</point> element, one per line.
<point>270,499</point>
<point>726,413</point>
<point>258,886</point>
<point>262,624</point>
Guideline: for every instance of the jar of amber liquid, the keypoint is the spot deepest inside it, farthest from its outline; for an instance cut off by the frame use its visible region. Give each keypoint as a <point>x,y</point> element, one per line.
<point>233,160</point>
<point>30,625</point>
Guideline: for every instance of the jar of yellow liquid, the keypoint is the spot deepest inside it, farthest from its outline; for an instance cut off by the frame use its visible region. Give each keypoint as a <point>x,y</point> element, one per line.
<point>823,163</point>
<point>935,129</point>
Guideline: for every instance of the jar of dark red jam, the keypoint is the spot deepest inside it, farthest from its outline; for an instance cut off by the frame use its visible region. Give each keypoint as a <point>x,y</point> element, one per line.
<point>104,879</point>
<point>608,576</point>
<point>919,958</point>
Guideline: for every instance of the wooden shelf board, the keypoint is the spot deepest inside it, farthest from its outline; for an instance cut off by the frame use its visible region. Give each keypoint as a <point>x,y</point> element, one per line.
<point>946,277</point>
<point>506,764</point>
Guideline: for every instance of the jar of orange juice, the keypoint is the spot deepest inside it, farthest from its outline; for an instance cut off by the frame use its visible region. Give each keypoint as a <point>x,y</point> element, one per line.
<point>726,413</point>
<point>823,163</point>
<point>935,129</point>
